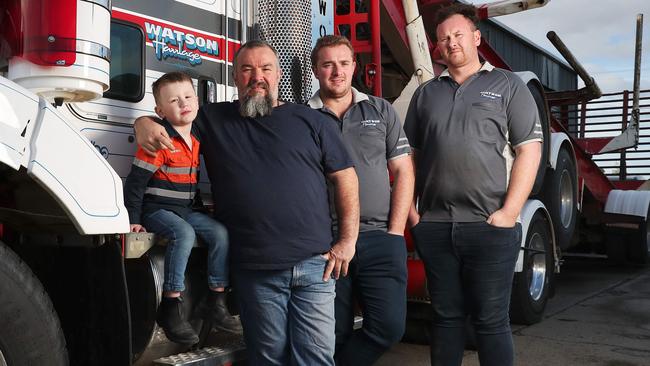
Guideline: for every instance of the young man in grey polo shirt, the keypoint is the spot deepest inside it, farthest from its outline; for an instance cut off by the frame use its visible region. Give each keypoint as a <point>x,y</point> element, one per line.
<point>374,137</point>
<point>476,138</point>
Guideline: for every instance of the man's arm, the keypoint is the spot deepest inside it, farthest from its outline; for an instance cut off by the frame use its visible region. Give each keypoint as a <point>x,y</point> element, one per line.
<point>151,136</point>
<point>346,198</point>
<point>522,178</point>
<point>413,216</point>
<point>401,196</point>
<point>401,169</point>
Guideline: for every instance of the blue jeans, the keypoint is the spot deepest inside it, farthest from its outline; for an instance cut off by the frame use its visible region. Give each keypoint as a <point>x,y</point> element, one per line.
<point>182,235</point>
<point>377,281</point>
<point>469,269</point>
<point>287,315</point>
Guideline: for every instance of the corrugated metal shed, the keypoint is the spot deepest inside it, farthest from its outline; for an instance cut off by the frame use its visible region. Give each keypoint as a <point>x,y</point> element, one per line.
<point>523,55</point>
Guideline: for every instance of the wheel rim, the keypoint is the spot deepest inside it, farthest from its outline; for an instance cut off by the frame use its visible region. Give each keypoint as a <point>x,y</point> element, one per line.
<point>3,362</point>
<point>537,269</point>
<point>566,199</point>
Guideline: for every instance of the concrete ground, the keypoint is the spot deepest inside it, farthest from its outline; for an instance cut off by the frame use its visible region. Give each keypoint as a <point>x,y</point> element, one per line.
<point>600,315</point>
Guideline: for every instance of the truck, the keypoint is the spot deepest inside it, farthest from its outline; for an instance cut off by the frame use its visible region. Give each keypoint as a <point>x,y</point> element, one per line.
<point>77,288</point>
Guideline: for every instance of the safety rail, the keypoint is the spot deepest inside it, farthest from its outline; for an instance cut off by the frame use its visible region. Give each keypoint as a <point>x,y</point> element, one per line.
<point>608,116</point>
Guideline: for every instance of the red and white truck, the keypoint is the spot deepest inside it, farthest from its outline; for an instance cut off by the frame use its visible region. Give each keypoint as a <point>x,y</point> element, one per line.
<point>75,288</point>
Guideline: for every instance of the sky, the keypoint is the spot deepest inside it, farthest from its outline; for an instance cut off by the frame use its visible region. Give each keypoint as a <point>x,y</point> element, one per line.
<point>600,33</point>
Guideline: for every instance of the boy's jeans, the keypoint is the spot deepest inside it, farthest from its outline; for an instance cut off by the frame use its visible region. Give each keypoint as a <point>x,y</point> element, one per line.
<point>182,234</point>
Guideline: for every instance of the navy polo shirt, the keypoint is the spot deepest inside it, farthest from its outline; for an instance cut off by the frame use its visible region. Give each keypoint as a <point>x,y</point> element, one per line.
<point>268,178</point>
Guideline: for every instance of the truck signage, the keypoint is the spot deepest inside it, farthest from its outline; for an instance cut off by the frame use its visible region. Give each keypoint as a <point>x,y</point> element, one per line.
<point>170,40</point>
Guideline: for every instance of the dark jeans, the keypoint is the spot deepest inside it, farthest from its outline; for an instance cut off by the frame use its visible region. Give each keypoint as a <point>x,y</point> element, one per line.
<point>377,281</point>
<point>469,269</point>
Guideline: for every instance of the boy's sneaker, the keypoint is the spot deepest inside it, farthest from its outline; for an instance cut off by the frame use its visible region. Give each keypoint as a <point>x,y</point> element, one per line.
<point>220,316</point>
<point>171,319</point>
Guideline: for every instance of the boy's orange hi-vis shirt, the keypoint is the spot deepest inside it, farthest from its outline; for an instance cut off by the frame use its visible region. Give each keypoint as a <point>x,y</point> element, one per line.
<point>167,181</point>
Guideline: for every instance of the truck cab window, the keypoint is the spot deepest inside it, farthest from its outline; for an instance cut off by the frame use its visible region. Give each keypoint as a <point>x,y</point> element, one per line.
<point>207,91</point>
<point>127,63</point>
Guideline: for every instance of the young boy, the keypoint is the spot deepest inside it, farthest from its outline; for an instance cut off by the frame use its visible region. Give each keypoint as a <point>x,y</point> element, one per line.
<point>159,193</point>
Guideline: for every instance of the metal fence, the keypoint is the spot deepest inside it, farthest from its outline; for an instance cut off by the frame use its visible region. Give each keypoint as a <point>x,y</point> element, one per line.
<point>608,116</point>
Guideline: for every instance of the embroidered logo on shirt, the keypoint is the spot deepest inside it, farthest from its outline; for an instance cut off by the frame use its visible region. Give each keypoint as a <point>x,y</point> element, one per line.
<point>370,122</point>
<point>490,95</point>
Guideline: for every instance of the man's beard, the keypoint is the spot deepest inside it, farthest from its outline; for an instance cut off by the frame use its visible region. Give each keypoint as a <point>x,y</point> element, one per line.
<point>256,105</point>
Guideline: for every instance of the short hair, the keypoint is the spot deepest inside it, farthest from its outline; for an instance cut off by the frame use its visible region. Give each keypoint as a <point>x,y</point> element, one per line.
<point>168,78</point>
<point>329,41</point>
<point>466,10</point>
<point>255,43</point>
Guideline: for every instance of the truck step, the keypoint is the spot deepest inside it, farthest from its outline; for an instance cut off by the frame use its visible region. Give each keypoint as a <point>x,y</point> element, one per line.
<point>226,354</point>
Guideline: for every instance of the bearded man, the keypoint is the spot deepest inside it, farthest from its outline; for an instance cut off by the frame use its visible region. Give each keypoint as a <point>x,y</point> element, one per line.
<point>268,162</point>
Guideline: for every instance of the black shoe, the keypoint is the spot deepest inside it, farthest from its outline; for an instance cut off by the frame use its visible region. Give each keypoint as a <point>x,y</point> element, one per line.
<point>170,317</point>
<point>220,316</point>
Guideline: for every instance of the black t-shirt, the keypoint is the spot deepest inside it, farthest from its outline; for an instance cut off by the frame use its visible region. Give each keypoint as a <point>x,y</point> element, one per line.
<point>268,178</point>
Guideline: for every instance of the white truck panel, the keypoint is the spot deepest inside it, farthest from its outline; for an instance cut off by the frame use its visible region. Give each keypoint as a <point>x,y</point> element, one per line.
<point>77,175</point>
<point>115,143</point>
<point>18,106</point>
<point>634,203</point>
<point>64,162</point>
<point>73,171</point>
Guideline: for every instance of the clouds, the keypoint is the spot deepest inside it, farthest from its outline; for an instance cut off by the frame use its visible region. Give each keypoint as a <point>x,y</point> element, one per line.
<point>600,33</point>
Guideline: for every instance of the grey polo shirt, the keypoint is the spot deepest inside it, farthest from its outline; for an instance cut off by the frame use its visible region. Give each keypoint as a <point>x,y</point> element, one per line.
<point>465,137</point>
<point>373,135</point>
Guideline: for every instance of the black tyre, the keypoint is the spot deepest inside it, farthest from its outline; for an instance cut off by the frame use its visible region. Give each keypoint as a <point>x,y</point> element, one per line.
<point>616,240</point>
<point>531,287</point>
<point>560,196</point>
<point>637,250</point>
<point>628,245</point>
<point>537,91</point>
<point>30,332</point>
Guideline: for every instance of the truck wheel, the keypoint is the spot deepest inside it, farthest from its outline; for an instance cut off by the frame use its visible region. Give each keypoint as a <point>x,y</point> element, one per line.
<point>537,91</point>
<point>626,246</point>
<point>560,197</point>
<point>616,244</point>
<point>418,323</point>
<point>30,332</point>
<point>531,286</point>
